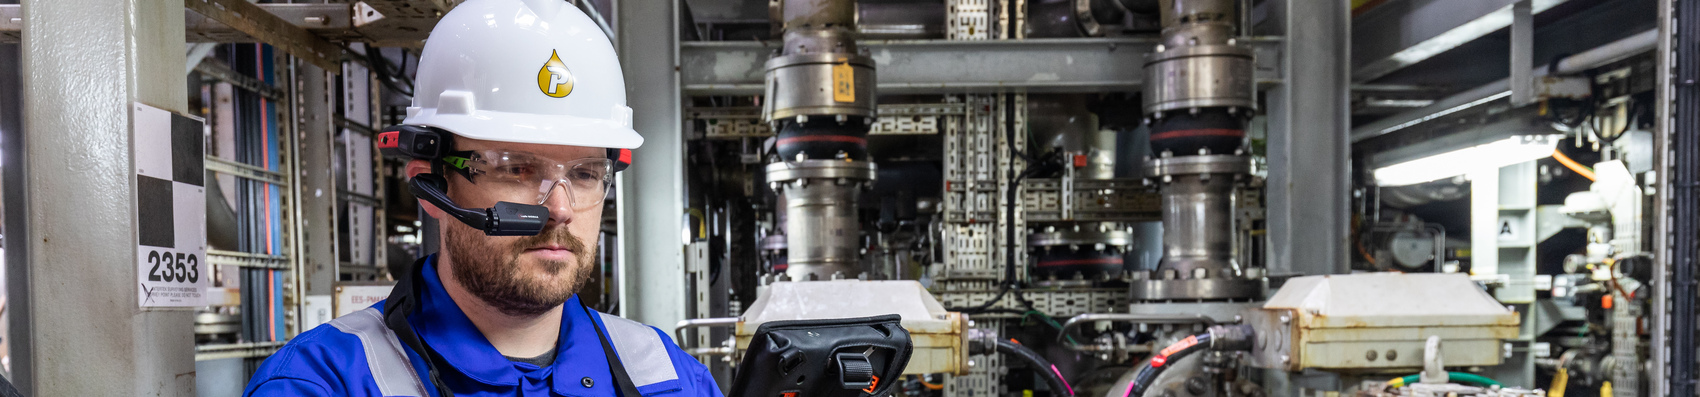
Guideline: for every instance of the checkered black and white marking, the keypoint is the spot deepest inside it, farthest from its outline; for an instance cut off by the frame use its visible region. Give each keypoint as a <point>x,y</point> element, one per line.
<point>169,157</point>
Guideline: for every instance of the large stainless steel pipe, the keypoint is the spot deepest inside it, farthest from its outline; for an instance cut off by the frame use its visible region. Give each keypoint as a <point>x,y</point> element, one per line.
<point>1198,212</point>
<point>823,231</point>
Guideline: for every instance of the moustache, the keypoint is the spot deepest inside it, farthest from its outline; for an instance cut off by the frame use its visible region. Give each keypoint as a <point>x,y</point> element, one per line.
<point>556,236</point>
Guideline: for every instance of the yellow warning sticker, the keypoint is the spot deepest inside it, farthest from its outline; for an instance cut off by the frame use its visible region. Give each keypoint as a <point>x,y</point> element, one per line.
<point>843,82</point>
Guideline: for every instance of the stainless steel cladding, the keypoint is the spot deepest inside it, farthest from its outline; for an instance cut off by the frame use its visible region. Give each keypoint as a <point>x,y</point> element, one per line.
<point>1199,63</point>
<point>1199,77</point>
<point>823,232</point>
<point>819,71</point>
<point>1198,230</point>
<point>820,84</point>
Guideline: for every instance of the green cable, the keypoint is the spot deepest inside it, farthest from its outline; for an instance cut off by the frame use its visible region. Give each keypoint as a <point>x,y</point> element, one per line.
<point>1461,377</point>
<point>1048,321</point>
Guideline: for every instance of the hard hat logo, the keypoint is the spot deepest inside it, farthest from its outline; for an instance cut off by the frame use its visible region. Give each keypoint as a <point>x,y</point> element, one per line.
<point>554,78</point>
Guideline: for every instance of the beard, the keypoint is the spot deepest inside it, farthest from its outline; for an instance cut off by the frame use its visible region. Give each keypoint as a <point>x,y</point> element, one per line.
<point>495,273</point>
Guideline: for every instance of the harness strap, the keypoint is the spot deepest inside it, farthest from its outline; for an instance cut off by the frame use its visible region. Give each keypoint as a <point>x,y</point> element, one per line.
<point>622,381</point>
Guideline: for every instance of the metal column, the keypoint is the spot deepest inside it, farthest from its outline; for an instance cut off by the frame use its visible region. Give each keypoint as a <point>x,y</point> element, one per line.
<point>84,63</point>
<point>1660,353</point>
<point>652,192</point>
<point>12,187</point>
<point>1682,145</point>
<point>316,183</point>
<point>1309,179</point>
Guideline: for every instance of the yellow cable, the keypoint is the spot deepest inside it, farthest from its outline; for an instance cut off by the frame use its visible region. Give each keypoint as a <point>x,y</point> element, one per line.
<point>1558,383</point>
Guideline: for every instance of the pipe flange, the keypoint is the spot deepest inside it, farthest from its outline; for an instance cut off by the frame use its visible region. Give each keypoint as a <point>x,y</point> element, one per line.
<point>1203,76</point>
<point>828,58</point>
<point>1211,50</point>
<point>804,85</point>
<point>1113,238</point>
<point>787,171</point>
<point>774,242</point>
<point>1161,289</point>
<point>1192,165</point>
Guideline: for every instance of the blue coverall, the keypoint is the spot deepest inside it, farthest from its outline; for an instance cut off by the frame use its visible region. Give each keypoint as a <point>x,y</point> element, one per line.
<point>330,361</point>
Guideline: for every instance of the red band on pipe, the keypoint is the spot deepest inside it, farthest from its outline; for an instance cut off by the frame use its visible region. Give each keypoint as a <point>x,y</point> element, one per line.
<point>823,138</point>
<point>1222,132</point>
<point>1070,262</point>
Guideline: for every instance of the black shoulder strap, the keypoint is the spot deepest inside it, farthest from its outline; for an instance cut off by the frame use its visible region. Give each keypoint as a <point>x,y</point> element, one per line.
<point>621,379</point>
<point>402,302</point>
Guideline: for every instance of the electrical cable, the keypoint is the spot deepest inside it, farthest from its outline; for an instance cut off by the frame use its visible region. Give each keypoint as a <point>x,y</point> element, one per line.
<point>386,74</point>
<point>983,306</point>
<point>1574,166</point>
<point>1048,320</point>
<point>1462,377</point>
<point>1172,354</point>
<point>1053,378</point>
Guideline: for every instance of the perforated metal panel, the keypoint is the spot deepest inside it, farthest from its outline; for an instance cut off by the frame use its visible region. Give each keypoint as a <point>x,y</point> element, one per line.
<point>969,20</point>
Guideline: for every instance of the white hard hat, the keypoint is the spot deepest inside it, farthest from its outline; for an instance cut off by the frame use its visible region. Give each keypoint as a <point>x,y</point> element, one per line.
<point>526,71</point>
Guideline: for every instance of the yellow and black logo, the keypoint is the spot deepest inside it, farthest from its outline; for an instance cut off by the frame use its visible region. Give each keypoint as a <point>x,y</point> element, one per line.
<point>554,78</point>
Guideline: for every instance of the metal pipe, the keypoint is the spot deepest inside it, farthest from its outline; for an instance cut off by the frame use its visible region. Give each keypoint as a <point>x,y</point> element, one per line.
<point>1134,318</point>
<point>709,351</point>
<point>1660,354</point>
<point>1611,52</point>
<point>1099,348</point>
<point>679,330</point>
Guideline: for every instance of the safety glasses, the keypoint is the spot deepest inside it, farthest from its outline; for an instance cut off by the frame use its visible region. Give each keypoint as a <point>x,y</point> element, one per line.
<point>529,178</point>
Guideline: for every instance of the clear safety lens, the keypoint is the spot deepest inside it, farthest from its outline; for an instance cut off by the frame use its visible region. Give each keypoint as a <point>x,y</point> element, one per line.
<point>528,178</point>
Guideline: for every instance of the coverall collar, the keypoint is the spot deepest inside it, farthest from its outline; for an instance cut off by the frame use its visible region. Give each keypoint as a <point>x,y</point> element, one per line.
<point>447,330</point>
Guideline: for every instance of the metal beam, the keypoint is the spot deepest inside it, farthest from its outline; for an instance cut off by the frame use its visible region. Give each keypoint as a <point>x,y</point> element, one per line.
<point>217,70</point>
<point>652,192</point>
<point>1309,179</point>
<point>271,29</point>
<point>939,66</point>
<point>1611,52</point>
<point>331,21</point>
<point>11,22</point>
<point>334,22</point>
<point>1399,34</point>
<point>79,314</point>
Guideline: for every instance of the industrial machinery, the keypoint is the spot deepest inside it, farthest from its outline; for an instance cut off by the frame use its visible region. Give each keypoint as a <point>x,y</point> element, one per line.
<point>1122,240</point>
<point>1120,198</point>
<point>1131,200</point>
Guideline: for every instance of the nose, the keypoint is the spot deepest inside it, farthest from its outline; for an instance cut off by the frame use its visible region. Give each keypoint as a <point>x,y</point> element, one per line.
<point>560,204</point>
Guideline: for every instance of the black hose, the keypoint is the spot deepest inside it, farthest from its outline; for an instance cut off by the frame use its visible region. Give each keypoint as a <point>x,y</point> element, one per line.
<point>1165,359</point>
<point>1058,385</point>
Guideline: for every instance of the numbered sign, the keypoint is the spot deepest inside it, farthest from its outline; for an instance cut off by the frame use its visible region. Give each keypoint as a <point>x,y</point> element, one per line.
<point>171,209</point>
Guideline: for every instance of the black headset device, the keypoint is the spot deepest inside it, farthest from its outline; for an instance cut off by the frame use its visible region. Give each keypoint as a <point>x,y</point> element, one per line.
<point>503,219</point>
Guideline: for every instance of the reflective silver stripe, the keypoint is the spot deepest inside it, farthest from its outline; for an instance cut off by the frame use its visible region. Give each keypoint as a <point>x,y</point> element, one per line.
<point>390,366</point>
<point>641,351</point>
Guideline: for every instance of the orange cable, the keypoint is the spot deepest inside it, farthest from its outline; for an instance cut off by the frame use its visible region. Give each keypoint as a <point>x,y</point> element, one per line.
<point>1573,165</point>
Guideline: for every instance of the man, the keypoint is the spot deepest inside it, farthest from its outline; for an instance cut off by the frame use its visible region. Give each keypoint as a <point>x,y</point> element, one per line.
<point>520,106</point>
